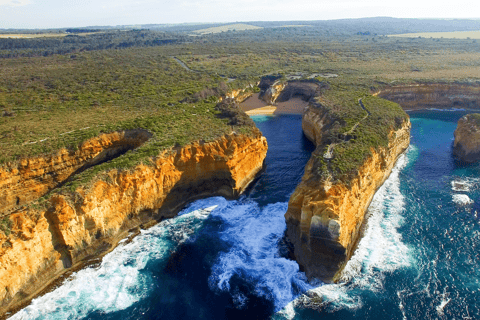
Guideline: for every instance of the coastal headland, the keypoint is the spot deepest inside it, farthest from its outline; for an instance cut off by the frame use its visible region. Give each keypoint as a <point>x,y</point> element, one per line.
<point>100,140</point>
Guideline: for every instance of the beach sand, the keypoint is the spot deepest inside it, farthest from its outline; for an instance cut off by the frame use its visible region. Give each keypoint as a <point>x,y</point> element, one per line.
<point>255,106</point>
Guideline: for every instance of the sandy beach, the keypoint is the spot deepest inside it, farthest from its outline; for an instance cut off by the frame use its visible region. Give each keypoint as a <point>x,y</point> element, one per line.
<point>255,106</point>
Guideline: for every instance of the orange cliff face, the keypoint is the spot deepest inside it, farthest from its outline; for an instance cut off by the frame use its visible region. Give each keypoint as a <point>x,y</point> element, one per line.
<point>324,217</point>
<point>239,95</point>
<point>44,244</point>
<point>434,95</point>
<point>29,179</point>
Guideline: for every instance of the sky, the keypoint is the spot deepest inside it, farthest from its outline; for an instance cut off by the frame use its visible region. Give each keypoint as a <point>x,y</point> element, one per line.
<point>33,14</point>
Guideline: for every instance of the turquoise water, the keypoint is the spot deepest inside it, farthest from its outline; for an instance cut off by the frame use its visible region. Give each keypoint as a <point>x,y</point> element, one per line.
<point>418,258</point>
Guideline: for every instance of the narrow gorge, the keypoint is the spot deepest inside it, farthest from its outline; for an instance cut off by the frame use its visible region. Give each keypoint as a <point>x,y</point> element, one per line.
<point>358,138</point>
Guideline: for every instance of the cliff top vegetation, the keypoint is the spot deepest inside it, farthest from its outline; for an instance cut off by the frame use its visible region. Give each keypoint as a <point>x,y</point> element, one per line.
<point>58,92</point>
<point>474,118</point>
<point>359,124</point>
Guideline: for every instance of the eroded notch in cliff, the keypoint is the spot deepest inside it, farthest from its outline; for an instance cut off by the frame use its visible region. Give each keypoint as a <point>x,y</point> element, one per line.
<point>31,178</point>
<point>132,139</point>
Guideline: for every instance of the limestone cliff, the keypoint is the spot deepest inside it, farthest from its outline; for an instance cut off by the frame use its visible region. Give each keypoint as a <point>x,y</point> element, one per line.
<point>272,93</point>
<point>434,95</point>
<point>31,178</point>
<point>325,214</point>
<point>74,227</point>
<point>466,146</point>
<point>239,95</point>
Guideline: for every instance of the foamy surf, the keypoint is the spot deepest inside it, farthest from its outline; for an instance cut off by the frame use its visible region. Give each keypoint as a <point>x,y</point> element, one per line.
<point>119,281</point>
<point>464,184</point>
<point>380,250</point>
<point>461,199</point>
<point>254,233</point>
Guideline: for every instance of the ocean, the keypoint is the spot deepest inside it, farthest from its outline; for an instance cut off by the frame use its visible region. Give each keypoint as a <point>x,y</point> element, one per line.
<point>418,258</point>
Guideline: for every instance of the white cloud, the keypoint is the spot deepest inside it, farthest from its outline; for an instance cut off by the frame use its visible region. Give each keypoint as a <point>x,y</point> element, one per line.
<point>14,3</point>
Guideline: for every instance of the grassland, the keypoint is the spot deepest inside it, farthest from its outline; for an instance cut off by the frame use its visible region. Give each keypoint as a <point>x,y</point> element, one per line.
<point>227,28</point>
<point>31,35</point>
<point>361,60</point>
<point>439,35</point>
<point>59,101</point>
<point>55,102</point>
<point>40,35</point>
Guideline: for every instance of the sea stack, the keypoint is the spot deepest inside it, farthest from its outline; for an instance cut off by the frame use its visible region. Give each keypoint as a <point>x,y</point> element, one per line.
<point>466,147</point>
<point>351,161</point>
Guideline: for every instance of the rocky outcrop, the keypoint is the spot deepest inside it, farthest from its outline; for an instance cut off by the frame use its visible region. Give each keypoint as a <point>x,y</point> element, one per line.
<point>271,94</point>
<point>325,215</point>
<point>306,90</point>
<point>434,95</point>
<point>238,95</point>
<point>74,227</point>
<point>29,179</point>
<point>466,147</point>
<point>279,91</point>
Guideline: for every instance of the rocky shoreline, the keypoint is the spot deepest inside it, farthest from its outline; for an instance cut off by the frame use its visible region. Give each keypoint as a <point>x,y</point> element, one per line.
<point>74,228</point>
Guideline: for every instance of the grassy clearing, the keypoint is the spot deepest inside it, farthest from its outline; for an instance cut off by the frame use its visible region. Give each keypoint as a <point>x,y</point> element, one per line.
<point>440,35</point>
<point>41,35</point>
<point>226,28</point>
<point>30,35</point>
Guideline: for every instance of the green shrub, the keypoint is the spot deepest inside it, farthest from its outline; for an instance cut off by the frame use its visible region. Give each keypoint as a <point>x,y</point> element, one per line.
<point>6,225</point>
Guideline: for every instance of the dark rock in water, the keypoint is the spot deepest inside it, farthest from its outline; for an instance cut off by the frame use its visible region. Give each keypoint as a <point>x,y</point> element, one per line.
<point>466,147</point>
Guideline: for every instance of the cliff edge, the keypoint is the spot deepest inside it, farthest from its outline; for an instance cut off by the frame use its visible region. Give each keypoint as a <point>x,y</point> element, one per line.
<point>76,222</point>
<point>466,147</point>
<point>358,139</point>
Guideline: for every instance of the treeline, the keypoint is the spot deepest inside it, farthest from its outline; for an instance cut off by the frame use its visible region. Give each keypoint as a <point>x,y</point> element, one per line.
<point>81,30</point>
<point>100,38</point>
<point>11,48</point>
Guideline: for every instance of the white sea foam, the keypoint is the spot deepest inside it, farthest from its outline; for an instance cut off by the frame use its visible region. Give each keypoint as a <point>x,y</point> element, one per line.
<point>442,305</point>
<point>380,250</point>
<point>461,199</point>
<point>447,110</point>
<point>254,234</point>
<point>464,184</point>
<point>118,282</point>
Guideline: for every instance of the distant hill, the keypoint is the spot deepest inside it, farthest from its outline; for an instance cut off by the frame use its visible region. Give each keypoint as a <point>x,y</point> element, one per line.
<point>228,27</point>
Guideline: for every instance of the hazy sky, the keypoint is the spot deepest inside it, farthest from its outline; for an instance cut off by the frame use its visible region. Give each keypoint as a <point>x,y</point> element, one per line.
<point>79,13</point>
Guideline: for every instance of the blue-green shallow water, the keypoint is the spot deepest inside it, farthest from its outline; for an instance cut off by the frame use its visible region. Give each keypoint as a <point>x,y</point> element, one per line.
<point>418,258</point>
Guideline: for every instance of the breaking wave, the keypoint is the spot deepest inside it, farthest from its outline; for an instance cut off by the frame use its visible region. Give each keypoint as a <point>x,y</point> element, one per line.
<point>119,281</point>
<point>380,251</point>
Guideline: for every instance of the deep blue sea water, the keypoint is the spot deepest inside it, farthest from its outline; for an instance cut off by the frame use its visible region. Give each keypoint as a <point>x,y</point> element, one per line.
<point>418,258</point>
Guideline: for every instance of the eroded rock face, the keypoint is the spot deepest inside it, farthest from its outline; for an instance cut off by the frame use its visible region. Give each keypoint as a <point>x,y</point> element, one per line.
<point>29,179</point>
<point>44,243</point>
<point>271,94</point>
<point>324,217</point>
<point>304,89</point>
<point>434,95</point>
<point>466,146</point>
<point>238,95</point>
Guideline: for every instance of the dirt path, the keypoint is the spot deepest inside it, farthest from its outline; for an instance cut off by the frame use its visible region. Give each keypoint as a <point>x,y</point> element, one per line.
<point>184,65</point>
<point>329,153</point>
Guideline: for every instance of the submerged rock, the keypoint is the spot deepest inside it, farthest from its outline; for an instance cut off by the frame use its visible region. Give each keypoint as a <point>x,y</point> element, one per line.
<point>466,147</point>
